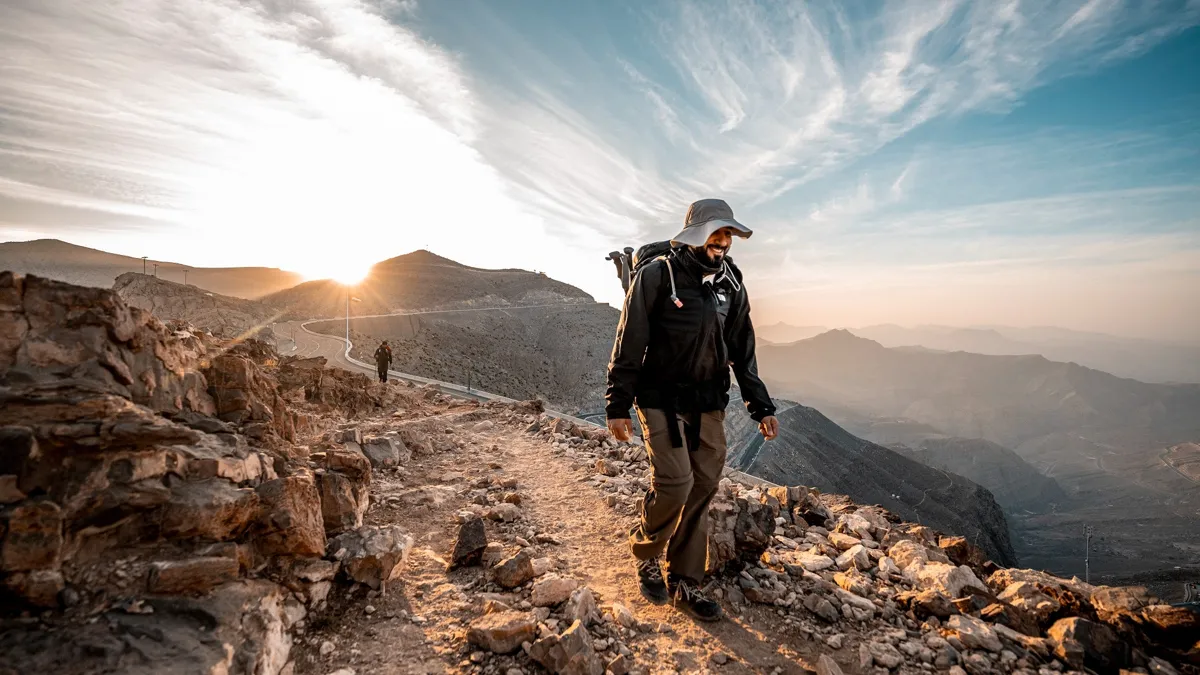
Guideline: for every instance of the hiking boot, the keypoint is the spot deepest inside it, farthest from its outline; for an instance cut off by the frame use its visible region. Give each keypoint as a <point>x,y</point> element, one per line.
<point>687,597</point>
<point>650,581</point>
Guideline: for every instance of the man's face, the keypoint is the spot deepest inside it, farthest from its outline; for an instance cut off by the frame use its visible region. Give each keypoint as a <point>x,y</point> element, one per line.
<point>718,244</point>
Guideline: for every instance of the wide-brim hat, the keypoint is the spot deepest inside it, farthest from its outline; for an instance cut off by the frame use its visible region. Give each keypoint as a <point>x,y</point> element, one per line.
<point>705,217</point>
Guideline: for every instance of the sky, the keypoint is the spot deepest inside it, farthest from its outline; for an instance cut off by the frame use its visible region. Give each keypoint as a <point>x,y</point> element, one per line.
<point>959,163</point>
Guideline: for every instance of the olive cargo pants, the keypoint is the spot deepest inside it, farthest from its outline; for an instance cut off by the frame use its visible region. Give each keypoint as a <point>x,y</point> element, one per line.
<point>683,484</point>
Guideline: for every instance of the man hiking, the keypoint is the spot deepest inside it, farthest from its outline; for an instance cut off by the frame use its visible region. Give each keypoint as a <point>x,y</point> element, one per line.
<point>383,360</point>
<point>686,321</point>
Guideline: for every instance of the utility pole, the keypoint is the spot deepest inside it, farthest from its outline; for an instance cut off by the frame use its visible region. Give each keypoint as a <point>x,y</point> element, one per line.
<point>144,264</point>
<point>1087,538</point>
<point>155,270</point>
<point>185,276</point>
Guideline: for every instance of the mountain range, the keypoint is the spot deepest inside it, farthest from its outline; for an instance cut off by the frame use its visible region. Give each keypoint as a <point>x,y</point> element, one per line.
<point>1139,359</point>
<point>54,259</point>
<point>1048,445</point>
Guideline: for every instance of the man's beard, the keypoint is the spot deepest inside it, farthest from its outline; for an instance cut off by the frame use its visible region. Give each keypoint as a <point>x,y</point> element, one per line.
<point>715,254</point>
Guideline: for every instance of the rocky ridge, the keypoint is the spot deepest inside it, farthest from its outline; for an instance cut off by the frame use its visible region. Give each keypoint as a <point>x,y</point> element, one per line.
<point>224,316</point>
<point>174,503</point>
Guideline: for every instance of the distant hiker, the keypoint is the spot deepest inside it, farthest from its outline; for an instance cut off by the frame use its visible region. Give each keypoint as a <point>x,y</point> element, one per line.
<point>686,320</point>
<point>383,360</point>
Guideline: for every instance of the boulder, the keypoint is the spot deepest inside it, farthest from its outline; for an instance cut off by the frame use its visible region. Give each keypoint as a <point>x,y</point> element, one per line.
<point>470,543</point>
<point>515,570</point>
<point>853,582</point>
<point>974,634</point>
<point>884,654</point>
<point>1118,605</point>
<point>754,528</point>
<point>551,590</point>
<point>962,552</point>
<point>1004,614</point>
<point>352,463</point>
<point>944,578</point>
<point>1177,626</point>
<point>244,394</point>
<point>39,588</point>
<point>827,666</point>
<point>343,503</point>
<point>856,557</point>
<point>195,576</point>
<point>843,542</point>
<point>504,513</point>
<point>821,607</point>
<point>213,509</point>
<point>812,562</point>
<point>581,607</point>
<point>290,521</point>
<point>372,555</point>
<point>502,632</point>
<point>34,536</point>
<point>927,603</point>
<point>384,452</point>
<point>1027,597</point>
<point>570,653</point>
<point>906,553</point>
<point>1081,643</point>
<point>860,526</point>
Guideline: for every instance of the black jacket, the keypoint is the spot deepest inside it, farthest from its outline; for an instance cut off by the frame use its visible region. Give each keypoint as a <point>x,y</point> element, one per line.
<point>383,356</point>
<point>678,357</point>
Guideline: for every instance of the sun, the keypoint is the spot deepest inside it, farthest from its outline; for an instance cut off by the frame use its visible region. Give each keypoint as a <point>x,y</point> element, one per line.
<point>347,274</point>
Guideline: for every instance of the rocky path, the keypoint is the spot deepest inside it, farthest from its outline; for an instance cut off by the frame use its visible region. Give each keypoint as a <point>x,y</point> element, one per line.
<point>559,513</point>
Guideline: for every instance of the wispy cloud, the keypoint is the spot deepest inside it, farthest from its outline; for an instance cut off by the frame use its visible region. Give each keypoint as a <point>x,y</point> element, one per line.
<point>501,141</point>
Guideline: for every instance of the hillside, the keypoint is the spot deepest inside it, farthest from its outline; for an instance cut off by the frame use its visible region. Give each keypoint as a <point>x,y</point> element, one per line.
<point>422,280</point>
<point>224,316</point>
<point>814,451</point>
<point>1016,485</point>
<point>232,511</point>
<point>54,259</point>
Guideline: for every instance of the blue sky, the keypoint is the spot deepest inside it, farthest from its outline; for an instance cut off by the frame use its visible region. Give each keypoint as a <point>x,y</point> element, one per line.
<point>910,162</point>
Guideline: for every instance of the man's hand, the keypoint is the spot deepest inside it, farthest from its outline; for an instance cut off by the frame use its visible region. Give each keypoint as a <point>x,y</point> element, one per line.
<point>621,429</point>
<point>768,427</point>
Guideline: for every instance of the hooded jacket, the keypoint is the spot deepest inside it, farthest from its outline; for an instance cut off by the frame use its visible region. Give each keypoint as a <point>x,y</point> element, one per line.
<point>677,355</point>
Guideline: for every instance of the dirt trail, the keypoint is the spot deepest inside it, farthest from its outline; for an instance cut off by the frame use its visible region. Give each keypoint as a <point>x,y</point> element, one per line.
<point>419,625</point>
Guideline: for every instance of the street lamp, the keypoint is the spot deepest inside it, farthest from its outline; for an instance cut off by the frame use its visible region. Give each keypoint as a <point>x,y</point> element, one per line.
<point>349,298</point>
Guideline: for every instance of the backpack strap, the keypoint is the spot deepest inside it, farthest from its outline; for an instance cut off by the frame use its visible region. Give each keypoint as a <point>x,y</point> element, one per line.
<point>671,275</point>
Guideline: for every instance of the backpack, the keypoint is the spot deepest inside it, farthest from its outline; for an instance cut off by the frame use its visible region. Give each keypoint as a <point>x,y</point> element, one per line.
<point>630,261</point>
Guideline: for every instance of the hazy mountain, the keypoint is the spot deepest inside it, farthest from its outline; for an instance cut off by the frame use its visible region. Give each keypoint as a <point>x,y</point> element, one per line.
<point>1144,360</point>
<point>224,316</point>
<point>1016,485</point>
<point>1007,399</point>
<point>422,280</point>
<point>782,333</point>
<point>812,450</point>
<point>54,259</point>
<point>1101,437</point>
